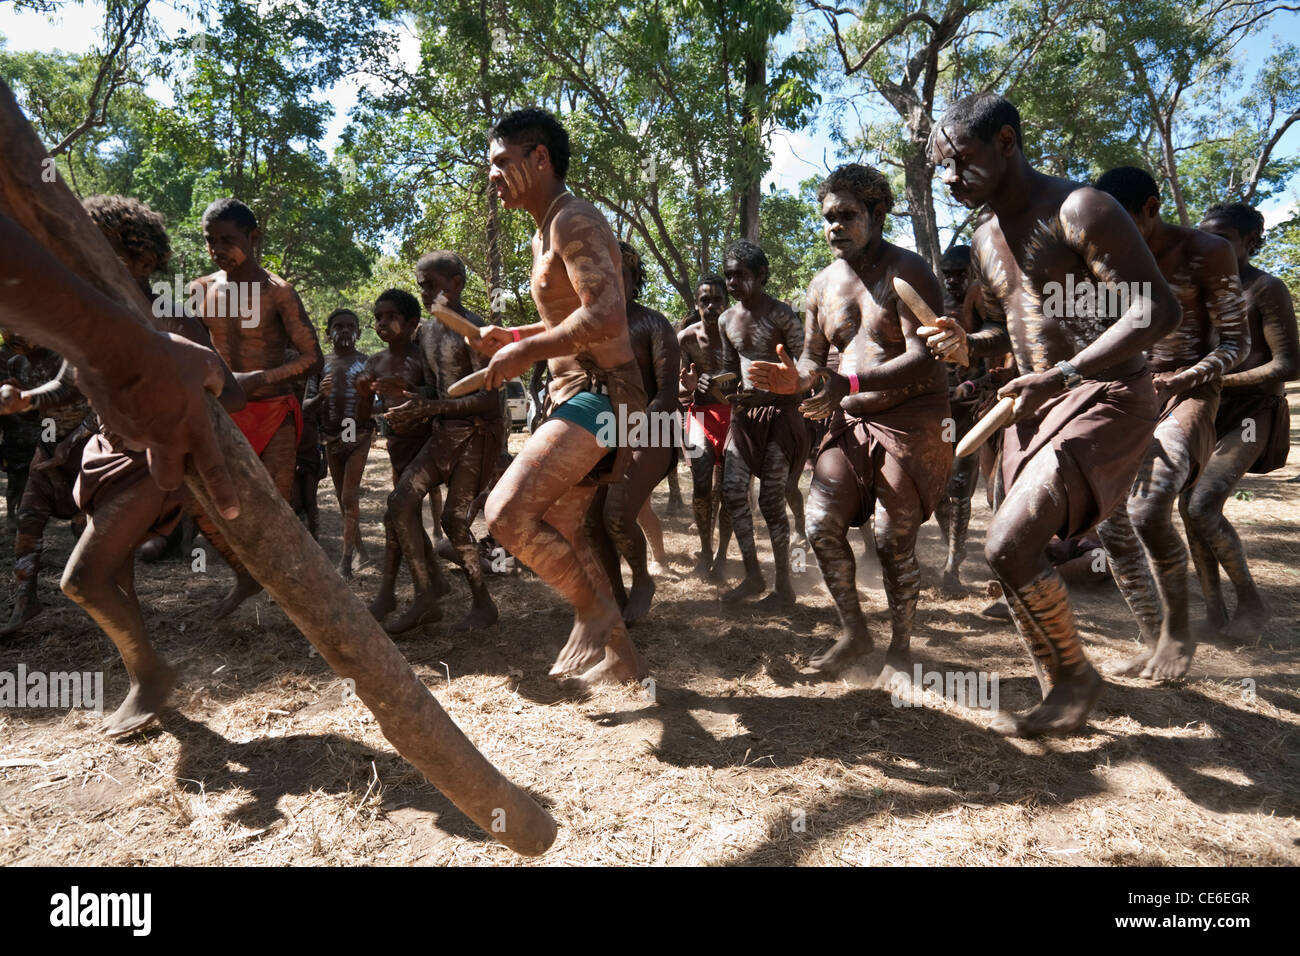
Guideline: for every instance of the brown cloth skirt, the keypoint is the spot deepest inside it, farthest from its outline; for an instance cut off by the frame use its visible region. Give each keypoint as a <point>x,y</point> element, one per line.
<point>911,433</point>
<point>752,429</point>
<point>1106,428</point>
<point>1238,404</point>
<point>52,476</point>
<point>106,472</point>
<point>403,448</point>
<point>455,439</point>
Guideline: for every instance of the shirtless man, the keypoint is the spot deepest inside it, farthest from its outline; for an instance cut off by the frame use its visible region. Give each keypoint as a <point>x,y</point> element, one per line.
<point>124,506</point>
<point>19,436</point>
<point>953,510</point>
<point>767,437</point>
<point>66,423</point>
<point>389,376</point>
<point>1085,407</point>
<point>1188,366</point>
<point>612,520</point>
<point>708,417</point>
<point>467,434</point>
<point>536,510</point>
<point>1253,426</point>
<point>309,466</point>
<point>347,441</point>
<point>255,347</point>
<point>885,455</point>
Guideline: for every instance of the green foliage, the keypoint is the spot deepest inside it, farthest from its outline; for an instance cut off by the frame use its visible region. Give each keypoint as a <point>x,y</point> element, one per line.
<point>671,105</point>
<point>1280,254</point>
<point>793,241</point>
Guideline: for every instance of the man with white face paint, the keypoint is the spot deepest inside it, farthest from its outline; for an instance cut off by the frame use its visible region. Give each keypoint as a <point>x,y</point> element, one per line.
<point>536,510</point>
<point>884,455</point>
<point>1085,408</point>
<point>347,440</point>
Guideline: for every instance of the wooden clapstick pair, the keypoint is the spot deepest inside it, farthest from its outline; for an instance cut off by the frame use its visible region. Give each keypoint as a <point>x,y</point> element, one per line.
<point>461,326</point>
<point>998,416</point>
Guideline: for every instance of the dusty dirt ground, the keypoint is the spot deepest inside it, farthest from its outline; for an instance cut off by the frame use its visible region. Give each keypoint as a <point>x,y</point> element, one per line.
<point>739,758</point>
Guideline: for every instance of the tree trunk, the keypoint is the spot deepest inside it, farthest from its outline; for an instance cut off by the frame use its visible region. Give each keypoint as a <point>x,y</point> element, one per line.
<point>493,227</point>
<point>752,125</point>
<point>918,175</point>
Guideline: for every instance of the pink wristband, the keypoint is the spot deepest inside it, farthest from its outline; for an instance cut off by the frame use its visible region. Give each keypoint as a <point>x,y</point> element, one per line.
<point>515,333</point>
<point>853,384</point>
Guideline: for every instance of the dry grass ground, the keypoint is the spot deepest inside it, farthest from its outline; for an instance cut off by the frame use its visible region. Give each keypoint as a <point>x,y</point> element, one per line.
<point>739,758</point>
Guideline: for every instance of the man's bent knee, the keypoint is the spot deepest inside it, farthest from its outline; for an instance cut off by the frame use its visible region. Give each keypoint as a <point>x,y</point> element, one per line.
<point>81,584</point>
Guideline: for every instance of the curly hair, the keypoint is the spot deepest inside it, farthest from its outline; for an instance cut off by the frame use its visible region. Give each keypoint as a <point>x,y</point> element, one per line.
<point>338,312</point>
<point>712,279</point>
<point>750,255</point>
<point>1246,219</point>
<point>533,127</point>
<point>406,303</point>
<point>230,209</point>
<point>955,259</point>
<point>632,260</point>
<point>1130,185</point>
<point>444,262</point>
<point>868,185</point>
<point>981,115</point>
<point>139,229</point>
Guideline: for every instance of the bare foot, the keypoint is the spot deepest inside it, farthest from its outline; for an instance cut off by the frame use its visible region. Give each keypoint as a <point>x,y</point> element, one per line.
<point>1171,659</point>
<point>245,587</point>
<point>850,646</point>
<point>423,610</point>
<point>384,604</point>
<point>25,608</point>
<point>1065,709</point>
<point>146,698</point>
<point>752,585</point>
<point>896,675</point>
<point>951,586</point>
<point>586,644</point>
<point>639,597</point>
<point>482,614</point>
<point>621,663</point>
<point>1130,666</point>
<point>1248,622</point>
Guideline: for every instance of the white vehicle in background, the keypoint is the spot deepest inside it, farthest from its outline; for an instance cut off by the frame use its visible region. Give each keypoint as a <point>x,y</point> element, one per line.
<point>516,404</point>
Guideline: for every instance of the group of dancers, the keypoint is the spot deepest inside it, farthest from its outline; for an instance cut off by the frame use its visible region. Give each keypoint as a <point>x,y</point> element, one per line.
<point>1138,365</point>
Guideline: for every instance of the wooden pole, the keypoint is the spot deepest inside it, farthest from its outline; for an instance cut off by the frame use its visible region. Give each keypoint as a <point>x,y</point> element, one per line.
<point>272,542</point>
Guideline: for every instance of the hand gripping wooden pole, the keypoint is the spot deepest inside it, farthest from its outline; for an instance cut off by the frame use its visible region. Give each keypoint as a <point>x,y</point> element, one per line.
<point>984,429</point>
<point>273,543</point>
<point>997,416</point>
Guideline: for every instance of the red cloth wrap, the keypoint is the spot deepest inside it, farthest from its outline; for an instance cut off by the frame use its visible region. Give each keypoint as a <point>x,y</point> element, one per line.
<point>259,421</point>
<point>714,420</point>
